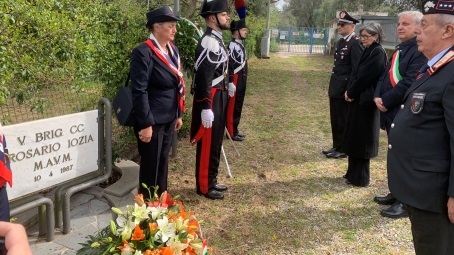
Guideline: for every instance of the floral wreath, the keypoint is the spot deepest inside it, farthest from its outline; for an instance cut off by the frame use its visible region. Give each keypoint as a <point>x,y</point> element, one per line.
<point>158,227</point>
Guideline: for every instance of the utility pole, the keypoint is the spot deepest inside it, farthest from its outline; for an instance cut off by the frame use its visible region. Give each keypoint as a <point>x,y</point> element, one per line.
<point>176,7</point>
<point>265,43</point>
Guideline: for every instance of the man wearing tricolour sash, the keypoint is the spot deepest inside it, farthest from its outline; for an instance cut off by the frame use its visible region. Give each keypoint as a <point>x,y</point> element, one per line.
<point>397,78</point>
<point>210,98</point>
<point>421,140</point>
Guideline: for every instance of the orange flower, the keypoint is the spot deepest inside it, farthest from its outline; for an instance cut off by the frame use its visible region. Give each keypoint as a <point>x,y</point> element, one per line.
<point>189,251</point>
<point>139,199</point>
<point>166,251</point>
<point>151,252</point>
<point>153,226</point>
<point>182,212</point>
<point>125,246</point>
<point>138,234</point>
<point>166,200</point>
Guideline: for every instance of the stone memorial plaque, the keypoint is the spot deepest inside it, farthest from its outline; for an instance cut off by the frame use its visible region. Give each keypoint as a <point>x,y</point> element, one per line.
<point>48,152</point>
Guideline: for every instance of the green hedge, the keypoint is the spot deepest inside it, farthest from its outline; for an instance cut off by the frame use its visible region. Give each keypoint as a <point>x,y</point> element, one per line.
<point>81,47</point>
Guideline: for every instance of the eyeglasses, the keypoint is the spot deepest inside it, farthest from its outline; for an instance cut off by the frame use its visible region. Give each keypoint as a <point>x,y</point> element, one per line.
<point>365,37</point>
<point>340,24</point>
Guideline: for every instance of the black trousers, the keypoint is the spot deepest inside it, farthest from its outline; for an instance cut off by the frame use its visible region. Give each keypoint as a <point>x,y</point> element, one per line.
<point>154,158</point>
<point>358,172</point>
<point>236,105</point>
<point>4,213</point>
<point>338,109</point>
<point>433,233</point>
<point>209,146</point>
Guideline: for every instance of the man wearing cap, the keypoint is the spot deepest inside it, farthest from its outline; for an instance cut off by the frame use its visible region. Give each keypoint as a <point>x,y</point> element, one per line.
<point>158,97</point>
<point>346,58</point>
<point>238,72</point>
<point>397,78</point>
<point>421,139</point>
<point>210,98</point>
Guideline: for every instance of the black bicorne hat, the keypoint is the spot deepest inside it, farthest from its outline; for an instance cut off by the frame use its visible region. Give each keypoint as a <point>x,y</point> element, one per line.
<point>438,7</point>
<point>345,18</point>
<point>162,14</point>
<point>213,6</point>
<point>237,24</point>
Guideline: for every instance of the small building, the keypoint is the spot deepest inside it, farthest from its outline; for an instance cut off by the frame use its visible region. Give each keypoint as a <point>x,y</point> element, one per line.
<point>389,24</point>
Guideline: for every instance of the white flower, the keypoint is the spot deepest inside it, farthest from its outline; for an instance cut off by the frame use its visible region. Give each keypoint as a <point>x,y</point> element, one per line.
<point>156,211</point>
<point>177,246</point>
<point>180,224</point>
<point>127,251</point>
<point>166,229</point>
<point>138,252</point>
<point>126,226</point>
<point>140,213</point>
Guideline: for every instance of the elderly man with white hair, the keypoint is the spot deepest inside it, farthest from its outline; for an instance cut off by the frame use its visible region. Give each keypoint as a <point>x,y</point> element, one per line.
<point>397,78</point>
<point>421,139</point>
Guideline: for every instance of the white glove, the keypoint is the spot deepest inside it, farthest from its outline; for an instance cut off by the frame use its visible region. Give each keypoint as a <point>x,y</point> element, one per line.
<point>232,89</point>
<point>207,118</point>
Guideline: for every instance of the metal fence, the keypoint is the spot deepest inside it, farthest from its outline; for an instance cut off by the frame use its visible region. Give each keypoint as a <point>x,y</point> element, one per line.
<point>299,39</point>
<point>46,104</point>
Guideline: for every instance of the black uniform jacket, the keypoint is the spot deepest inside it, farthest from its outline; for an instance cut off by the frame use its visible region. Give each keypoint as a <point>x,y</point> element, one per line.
<point>362,130</point>
<point>421,142</point>
<point>154,91</point>
<point>410,61</point>
<point>346,59</point>
<point>237,57</point>
<point>213,60</point>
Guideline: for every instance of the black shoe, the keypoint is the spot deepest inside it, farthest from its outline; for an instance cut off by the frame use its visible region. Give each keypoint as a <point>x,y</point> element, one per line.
<point>329,151</point>
<point>220,187</point>
<point>344,176</point>
<point>386,200</point>
<point>241,134</point>
<point>336,155</point>
<point>395,211</point>
<point>238,138</point>
<point>348,182</point>
<point>212,194</point>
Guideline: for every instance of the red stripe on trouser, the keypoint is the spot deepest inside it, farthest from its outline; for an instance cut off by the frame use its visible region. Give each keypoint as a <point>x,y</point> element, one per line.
<point>230,115</point>
<point>205,161</point>
<point>205,153</point>
<point>230,109</point>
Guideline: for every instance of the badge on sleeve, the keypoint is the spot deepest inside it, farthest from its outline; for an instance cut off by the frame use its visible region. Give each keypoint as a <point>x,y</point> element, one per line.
<point>417,102</point>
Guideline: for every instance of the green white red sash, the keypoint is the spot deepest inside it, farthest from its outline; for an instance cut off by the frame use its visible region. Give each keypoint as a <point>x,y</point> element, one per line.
<point>394,74</point>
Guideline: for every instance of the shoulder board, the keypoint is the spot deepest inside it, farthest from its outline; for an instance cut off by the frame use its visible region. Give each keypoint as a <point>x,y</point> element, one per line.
<point>448,57</point>
<point>210,43</point>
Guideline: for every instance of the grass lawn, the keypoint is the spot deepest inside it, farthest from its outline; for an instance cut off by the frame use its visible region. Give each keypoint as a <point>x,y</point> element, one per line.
<point>286,197</point>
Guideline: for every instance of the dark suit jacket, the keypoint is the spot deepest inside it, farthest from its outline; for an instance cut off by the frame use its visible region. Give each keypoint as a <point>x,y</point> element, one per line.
<point>346,58</point>
<point>154,91</point>
<point>421,142</point>
<point>410,61</point>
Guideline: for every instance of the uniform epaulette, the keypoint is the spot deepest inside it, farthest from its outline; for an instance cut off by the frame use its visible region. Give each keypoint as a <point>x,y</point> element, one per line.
<point>210,43</point>
<point>448,57</point>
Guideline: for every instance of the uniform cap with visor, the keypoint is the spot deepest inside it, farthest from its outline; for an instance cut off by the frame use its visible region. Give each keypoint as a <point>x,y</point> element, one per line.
<point>345,18</point>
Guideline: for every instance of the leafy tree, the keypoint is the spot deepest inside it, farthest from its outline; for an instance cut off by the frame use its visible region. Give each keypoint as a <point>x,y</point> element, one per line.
<point>303,11</point>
